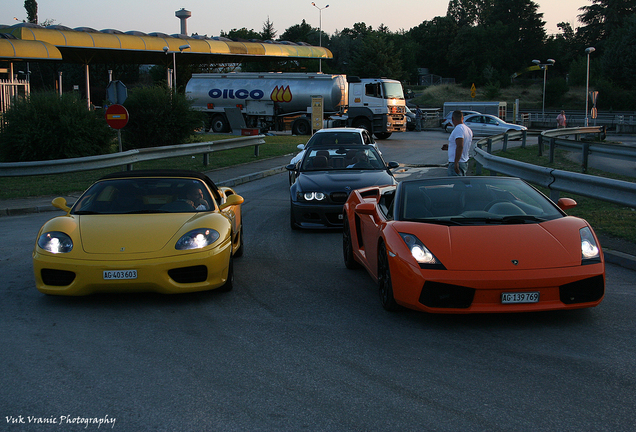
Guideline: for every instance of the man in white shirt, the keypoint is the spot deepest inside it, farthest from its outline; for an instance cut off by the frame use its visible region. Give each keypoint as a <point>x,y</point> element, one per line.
<point>458,146</point>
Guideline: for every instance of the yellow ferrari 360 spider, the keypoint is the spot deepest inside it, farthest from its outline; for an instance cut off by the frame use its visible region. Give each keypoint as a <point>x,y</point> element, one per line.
<point>167,231</point>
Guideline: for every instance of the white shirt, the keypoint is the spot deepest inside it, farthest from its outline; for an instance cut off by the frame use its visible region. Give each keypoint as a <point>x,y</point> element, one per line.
<point>460,131</point>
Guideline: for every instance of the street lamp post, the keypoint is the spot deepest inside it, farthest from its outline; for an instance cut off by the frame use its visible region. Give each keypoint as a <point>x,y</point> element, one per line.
<point>588,51</point>
<point>544,68</point>
<point>174,63</point>
<point>320,31</point>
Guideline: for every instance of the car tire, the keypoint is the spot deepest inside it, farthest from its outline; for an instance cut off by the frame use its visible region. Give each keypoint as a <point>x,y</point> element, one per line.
<point>347,246</point>
<point>385,286</point>
<point>229,283</point>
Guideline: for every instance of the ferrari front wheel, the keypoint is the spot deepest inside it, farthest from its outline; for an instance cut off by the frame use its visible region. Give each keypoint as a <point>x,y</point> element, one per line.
<point>347,246</point>
<point>384,281</point>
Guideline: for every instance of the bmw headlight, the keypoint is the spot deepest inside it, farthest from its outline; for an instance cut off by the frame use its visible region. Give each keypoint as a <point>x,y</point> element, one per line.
<point>311,196</point>
<point>55,242</point>
<point>197,239</point>
<point>420,252</point>
<point>589,249</point>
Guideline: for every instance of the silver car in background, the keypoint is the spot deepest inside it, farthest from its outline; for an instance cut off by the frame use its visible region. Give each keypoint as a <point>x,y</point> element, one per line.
<point>487,125</point>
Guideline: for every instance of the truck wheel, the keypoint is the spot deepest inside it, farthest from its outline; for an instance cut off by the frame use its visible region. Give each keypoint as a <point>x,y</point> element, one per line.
<point>382,135</point>
<point>301,126</point>
<point>220,124</point>
<point>363,124</point>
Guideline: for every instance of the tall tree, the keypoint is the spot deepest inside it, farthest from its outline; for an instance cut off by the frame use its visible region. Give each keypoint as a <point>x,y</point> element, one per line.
<point>242,33</point>
<point>377,57</point>
<point>298,33</point>
<point>31,7</point>
<point>467,12</point>
<point>268,32</point>
<point>604,17</point>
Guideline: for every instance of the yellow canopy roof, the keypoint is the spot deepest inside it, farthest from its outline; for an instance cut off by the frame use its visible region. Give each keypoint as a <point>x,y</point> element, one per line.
<point>15,49</point>
<point>91,46</point>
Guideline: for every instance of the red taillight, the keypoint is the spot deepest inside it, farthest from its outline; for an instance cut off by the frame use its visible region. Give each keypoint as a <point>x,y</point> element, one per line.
<point>210,106</point>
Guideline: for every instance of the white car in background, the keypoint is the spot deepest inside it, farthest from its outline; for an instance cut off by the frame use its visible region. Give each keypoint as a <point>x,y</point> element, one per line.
<point>343,136</point>
<point>487,125</point>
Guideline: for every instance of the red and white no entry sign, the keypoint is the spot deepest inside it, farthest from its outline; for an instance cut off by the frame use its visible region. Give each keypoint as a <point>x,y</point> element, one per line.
<point>117,116</point>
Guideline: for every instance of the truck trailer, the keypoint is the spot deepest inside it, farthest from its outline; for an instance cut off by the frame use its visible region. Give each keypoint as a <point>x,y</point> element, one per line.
<point>272,101</point>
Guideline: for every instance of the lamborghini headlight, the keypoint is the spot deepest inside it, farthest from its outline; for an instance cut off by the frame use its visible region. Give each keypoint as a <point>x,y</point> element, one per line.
<point>420,252</point>
<point>197,239</point>
<point>589,248</point>
<point>55,242</point>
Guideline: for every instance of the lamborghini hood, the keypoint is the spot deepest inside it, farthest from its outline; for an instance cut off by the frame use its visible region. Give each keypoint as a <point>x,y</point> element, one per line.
<point>129,234</point>
<point>534,246</point>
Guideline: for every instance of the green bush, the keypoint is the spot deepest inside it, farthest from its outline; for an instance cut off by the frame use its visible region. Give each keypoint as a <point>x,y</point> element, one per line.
<point>45,126</point>
<point>157,117</point>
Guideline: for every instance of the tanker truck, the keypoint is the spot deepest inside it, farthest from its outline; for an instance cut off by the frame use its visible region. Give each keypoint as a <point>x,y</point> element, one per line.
<point>275,101</point>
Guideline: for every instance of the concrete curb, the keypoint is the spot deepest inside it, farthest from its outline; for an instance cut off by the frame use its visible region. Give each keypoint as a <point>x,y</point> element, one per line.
<point>619,258</point>
<point>251,177</point>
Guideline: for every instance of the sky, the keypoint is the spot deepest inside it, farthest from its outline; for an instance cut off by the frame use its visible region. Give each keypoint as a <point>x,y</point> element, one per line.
<point>210,17</point>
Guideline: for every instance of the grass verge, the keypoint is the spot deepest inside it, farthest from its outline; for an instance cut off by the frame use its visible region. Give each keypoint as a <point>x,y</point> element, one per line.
<point>606,218</point>
<point>63,184</point>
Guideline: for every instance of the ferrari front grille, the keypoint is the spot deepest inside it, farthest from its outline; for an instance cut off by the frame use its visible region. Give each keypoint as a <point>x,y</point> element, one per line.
<point>192,274</point>
<point>441,295</point>
<point>583,291</point>
<point>54,277</point>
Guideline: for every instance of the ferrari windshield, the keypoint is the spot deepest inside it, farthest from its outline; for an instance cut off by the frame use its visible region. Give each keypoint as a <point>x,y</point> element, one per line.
<point>344,157</point>
<point>473,200</point>
<point>144,195</point>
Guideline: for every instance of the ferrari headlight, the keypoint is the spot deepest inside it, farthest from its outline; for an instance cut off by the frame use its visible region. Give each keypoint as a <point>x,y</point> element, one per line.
<point>420,252</point>
<point>312,196</point>
<point>197,239</point>
<point>589,248</point>
<point>55,242</point>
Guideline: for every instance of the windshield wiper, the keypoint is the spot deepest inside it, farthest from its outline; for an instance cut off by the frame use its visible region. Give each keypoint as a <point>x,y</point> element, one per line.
<point>521,219</point>
<point>447,222</point>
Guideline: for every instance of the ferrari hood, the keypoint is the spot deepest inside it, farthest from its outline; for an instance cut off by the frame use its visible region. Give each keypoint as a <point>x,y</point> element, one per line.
<point>129,234</point>
<point>534,246</point>
<point>334,181</point>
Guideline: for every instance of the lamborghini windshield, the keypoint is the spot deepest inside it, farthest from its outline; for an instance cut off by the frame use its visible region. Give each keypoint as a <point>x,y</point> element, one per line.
<point>473,200</point>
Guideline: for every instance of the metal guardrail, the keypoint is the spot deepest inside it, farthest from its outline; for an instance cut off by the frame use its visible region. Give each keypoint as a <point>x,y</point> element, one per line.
<point>586,148</point>
<point>600,188</point>
<point>59,166</point>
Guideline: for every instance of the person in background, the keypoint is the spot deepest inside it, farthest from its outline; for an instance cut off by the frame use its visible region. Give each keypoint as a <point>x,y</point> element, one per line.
<point>458,146</point>
<point>418,118</point>
<point>561,120</point>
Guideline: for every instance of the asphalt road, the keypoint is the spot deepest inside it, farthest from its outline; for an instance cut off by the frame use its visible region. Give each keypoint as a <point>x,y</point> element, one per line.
<point>302,343</point>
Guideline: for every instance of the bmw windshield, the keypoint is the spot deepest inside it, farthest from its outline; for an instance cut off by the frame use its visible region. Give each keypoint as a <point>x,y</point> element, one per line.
<point>351,157</point>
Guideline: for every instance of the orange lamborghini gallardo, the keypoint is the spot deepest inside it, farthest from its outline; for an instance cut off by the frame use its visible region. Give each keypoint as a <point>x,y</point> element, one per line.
<point>472,244</point>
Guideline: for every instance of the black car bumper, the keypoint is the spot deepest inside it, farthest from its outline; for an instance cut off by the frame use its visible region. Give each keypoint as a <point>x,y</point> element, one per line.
<point>316,216</point>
